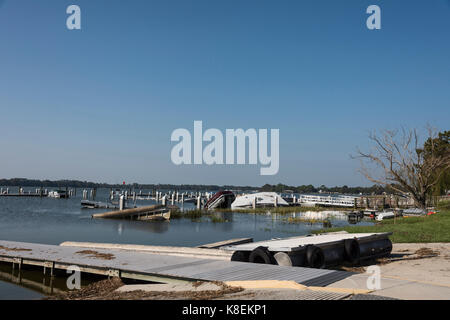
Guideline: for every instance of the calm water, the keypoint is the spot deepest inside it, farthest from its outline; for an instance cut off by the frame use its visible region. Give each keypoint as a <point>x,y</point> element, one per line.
<point>52,221</point>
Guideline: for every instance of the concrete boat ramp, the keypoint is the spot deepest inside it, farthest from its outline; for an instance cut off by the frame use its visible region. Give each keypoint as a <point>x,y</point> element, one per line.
<point>163,268</point>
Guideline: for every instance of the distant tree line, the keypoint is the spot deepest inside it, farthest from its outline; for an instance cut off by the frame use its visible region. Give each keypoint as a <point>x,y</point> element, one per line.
<point>375,189</point>
<point>21,182</point>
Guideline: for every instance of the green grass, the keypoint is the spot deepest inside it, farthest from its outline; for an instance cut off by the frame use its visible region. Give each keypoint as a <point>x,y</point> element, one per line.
<point>434,228</point>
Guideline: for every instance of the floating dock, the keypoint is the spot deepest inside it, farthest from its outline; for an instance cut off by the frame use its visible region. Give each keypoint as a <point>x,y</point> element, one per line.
<point>315,251</point>
<point>34,195</point>
<point>162,268</point>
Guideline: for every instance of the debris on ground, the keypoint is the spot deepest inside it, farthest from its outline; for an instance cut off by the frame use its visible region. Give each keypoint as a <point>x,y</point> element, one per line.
<point>96,255</point>
<point>107,290</point>
<point>14,249</point>
<point>427,252</point>
<point>92,291</point>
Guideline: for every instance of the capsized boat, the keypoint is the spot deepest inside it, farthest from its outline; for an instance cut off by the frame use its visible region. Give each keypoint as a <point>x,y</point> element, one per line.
<point>221,199</point>
<point>260,199</point>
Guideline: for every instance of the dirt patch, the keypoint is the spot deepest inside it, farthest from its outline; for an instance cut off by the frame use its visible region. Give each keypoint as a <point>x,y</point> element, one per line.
<point>92,291</point>
<point>14,249</point>
<point>382,261</point>
<point>357,269</point>
<point>97,255</point>
<point>105,290</point>
<point>427,252</point>
<point>197,284</point>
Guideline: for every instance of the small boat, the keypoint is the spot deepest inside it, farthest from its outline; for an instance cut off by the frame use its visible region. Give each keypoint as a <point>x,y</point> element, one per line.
<point>59,194</point>
<point>355,216</point>
<point>414,212</point>
<point>258,200</point>
<point>222,199</point>
<point>370,213</point>
<point>385,215</point>
<point>87,204</point>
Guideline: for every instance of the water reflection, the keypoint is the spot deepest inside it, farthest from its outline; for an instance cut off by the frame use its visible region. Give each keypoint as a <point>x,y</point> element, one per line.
<point>327,218</point>
<point>36,281</point>
<point>321,215</point>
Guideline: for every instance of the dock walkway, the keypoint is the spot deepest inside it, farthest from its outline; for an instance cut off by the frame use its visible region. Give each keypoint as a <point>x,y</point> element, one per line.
<point>157,267</point>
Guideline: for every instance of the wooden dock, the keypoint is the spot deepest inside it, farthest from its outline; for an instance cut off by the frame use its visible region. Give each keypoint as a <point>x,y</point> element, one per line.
<point>163,268</point>
<point>141,213</point>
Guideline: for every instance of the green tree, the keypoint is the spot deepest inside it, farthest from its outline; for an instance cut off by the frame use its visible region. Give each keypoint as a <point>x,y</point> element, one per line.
<point>441,145</point>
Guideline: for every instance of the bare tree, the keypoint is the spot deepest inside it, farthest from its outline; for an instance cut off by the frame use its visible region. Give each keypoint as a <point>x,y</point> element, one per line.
<point>401,163</point>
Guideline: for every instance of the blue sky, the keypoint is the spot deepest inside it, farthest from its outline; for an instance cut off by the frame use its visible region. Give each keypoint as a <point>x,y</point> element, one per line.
<point>101,103</point>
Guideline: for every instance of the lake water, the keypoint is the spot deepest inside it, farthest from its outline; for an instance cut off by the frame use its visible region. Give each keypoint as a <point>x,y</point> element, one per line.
<point>52,221</point>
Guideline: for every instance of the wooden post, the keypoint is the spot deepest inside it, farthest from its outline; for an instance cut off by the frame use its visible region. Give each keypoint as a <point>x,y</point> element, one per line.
<point>121,202</point>
<point>198,202</point>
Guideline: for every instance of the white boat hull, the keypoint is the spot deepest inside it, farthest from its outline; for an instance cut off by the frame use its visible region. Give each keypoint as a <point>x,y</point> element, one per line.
<point>263,199</point>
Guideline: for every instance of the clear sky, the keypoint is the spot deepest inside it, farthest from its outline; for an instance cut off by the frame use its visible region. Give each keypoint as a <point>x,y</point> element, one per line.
<point>100,103</point>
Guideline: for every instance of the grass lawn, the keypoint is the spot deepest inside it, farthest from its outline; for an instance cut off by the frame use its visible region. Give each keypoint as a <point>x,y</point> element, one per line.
<point>434,228</point>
